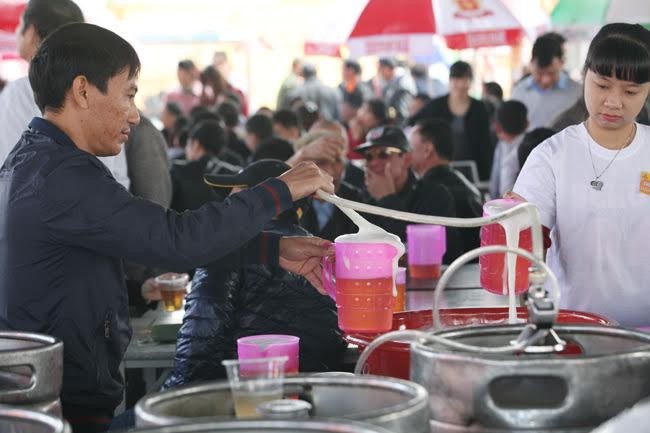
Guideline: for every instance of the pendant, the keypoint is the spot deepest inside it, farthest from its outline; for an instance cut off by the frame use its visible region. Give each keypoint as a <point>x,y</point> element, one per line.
<point>596,184</point>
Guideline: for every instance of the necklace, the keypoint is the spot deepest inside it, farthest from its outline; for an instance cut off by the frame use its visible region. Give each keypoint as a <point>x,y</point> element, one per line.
<point>596,183</point>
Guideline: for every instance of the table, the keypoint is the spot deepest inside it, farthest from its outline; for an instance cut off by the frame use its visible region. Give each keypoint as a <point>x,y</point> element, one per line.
<point>463,291</point>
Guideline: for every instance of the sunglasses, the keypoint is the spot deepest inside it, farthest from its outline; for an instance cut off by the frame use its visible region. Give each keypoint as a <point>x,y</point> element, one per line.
<point>383,154</point>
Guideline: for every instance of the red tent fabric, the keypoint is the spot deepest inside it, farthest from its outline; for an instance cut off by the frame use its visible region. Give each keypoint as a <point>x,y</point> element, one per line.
<point>10,12</point>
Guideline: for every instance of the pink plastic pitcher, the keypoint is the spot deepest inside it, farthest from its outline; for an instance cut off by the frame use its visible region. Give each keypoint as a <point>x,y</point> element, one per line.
<point>494,272</point>
<point>426,246</point>
<point>362,285</point>
<point>269,346</point>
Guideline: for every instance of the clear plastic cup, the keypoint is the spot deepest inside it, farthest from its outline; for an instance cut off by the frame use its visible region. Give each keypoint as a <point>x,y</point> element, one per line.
<point>271,345</point>
<point>426,246</point>
<point>253,382</point>
<point>172,289</point>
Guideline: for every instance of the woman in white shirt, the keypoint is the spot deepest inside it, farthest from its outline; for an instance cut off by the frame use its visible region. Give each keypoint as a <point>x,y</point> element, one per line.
<point>591,183</point>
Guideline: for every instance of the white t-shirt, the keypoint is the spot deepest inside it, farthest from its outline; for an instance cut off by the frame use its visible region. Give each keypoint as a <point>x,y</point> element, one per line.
<point>601,239</point>
<point>17,109</point>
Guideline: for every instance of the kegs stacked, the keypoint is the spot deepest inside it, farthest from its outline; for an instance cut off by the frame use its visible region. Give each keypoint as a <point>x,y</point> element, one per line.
<point>31,371</point>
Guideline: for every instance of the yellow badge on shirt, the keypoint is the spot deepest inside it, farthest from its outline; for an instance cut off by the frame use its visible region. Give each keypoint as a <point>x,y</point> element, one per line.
<point>644,186</point>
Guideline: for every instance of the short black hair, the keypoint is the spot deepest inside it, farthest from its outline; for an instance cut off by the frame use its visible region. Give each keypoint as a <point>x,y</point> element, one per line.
<point>78,49</point>
<point>530,141</point>
<point>287,118</point>
<point>261,126</point>
<point>186,65</point>
<point>513,117</point>
<point>387,62</point>
<point>494,89</point>
<point>308,70</point>
<point>174,109</point>
<point>438,132</point>
<point>378,109</point>
<point>48,15</point>
<point>229,112</point>
<point>273,148</point>
<point>201,116</point>
<point>210,135</point>
<point>546,48</point>
<point>622,50</point>
<point>461,69</point>
<point>353,65</point>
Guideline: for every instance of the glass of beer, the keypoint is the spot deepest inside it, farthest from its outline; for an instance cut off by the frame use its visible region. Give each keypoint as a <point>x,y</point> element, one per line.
<point>254,381</point>
<point>172,290</point>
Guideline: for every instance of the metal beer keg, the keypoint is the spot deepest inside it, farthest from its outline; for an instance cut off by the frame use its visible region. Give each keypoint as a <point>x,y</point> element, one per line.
<point>15,420</point>
<point>396,405</point>
<point>31,371</point>
<point>278,426</point>
<point>599,372</point>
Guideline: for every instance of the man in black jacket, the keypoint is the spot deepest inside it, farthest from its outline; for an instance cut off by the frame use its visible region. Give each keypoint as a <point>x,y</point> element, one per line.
<point>226,304</point>
<point>65,223</point>
<point>206,140</point>
<point>433,147</point>
<point>391,183</point>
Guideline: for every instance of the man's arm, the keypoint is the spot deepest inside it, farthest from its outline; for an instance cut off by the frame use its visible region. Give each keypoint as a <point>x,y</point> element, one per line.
<point>83,208</point>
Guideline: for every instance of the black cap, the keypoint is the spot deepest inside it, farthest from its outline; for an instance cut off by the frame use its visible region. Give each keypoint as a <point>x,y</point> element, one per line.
<point>385,136</point>
<point>255,173</point>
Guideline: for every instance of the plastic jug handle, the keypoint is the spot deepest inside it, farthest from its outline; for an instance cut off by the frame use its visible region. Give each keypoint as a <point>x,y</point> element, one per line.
<point>329,281</point>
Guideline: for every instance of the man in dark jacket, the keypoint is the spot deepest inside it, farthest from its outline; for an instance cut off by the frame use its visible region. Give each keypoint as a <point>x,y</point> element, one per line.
<point>65,223</point>
<point>433,147</point>
<point>226,304</point>
<point>206,140</point>
<point>467,117</point>
<point>391,183</point>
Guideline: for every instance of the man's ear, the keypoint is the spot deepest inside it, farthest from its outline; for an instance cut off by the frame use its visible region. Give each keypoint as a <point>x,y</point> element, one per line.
<point>79,91</point>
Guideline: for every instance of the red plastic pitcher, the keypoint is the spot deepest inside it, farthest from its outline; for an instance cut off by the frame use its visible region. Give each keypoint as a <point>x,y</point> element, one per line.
<point>493,269</point>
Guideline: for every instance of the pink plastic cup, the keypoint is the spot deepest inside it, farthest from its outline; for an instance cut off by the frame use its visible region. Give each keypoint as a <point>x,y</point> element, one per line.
<point>362,285</point>
<point>270,346</point>
<point>426,246</point>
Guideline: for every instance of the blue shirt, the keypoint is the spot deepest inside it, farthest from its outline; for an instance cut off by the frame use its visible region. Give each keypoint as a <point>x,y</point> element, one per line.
<point>66,225</point>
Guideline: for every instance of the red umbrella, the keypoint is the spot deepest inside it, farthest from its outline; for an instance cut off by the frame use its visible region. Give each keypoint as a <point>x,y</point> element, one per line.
<point>407,26</point>
<point>10,12</point>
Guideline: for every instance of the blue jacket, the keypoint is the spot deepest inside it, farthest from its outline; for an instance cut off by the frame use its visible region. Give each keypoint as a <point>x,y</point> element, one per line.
<point>66,225</point>
<point>226,304</point>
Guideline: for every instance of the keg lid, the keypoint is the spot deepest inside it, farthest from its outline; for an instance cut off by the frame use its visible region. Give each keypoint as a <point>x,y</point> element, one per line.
<point>285,409</point>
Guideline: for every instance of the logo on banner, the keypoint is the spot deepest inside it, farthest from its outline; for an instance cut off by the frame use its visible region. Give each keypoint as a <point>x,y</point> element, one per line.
<point>470,9</point>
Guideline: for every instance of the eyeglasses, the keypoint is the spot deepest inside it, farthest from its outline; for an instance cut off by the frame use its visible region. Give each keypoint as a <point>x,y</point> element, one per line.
<point>383,154</point>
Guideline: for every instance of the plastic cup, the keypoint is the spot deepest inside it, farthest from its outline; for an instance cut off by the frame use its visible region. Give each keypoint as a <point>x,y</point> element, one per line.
<point>269,346</point>
<point>400,283</point>
<point>172,289</point>
<point>364,285</point>
<point>426,246</point>
<point>253,382</point>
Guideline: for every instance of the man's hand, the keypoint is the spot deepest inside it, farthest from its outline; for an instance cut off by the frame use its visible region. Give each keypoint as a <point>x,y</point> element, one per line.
<point>380,185</point>
<point>302,255</point>
<point>513,196</point>
<point>328,147</point>
<point>305,179</point>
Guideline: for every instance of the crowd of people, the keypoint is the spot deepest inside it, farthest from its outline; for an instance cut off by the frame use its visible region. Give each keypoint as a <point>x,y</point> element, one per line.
<point>226,193</point>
